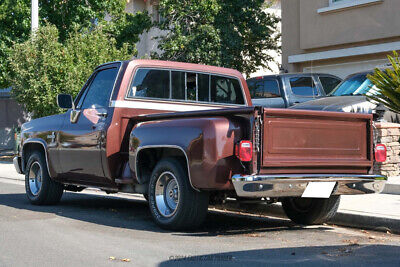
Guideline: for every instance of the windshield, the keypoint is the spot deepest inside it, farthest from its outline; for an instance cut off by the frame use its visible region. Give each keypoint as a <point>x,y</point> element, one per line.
<point>356,85</point>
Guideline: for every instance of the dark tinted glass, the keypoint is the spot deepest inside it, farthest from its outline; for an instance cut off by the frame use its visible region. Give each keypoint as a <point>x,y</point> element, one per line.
<point>226,90</point>
<point>99,91</point>
<point>204,86</point>
<point>329,83</point>
<point>303,86</point>
<point>264,89</point>
<point>191,86</point>
<point>150,83</point>
<point>178,85</point>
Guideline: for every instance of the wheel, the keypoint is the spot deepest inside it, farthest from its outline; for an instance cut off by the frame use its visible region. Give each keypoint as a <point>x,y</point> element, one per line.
<point>173,203</point>
<point>310,210</point>
<point>40,188</point>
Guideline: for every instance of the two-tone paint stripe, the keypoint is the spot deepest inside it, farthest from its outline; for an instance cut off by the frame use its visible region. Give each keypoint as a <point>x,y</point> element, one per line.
<point>161,105</point>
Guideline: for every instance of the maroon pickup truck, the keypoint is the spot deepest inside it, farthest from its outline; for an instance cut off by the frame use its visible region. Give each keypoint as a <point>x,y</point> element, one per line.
<point>185,135</point>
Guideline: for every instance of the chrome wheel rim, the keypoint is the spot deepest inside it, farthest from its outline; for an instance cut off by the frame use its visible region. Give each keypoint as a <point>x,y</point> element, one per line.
<point>167,194</point>
<point>35,178</point>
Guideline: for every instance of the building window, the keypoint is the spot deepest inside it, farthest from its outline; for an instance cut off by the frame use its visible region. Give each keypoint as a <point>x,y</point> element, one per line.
<point>338,5</point>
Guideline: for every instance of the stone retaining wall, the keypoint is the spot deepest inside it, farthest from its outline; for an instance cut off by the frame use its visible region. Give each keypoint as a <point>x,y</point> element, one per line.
<point>389,135</point>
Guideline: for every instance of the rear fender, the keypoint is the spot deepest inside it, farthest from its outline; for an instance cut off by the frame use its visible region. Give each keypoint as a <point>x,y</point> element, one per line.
<point>205,144</point>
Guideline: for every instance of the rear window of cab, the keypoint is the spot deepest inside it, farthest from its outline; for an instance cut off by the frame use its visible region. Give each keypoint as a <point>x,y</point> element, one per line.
<point>177,85</point>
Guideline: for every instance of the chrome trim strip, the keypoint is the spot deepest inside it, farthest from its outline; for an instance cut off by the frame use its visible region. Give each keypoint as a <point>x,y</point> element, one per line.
<point>161,146</point>
<point>17,164</point>
<point>44,148</point>
<point>293,185</point>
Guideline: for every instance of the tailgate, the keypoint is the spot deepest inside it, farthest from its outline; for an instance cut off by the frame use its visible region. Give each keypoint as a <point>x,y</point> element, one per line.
<point>302,141</point>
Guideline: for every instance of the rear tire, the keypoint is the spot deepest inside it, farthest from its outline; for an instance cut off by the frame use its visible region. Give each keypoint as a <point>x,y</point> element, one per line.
<point>173,203</point>
<point>310,210</point>
<point>40,188</point>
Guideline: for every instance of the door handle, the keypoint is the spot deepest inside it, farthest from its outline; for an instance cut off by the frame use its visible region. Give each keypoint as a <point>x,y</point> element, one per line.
<point>102,114</point>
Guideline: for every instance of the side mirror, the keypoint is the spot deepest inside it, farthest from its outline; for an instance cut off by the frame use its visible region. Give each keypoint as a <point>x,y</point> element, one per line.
<point>65,101</point>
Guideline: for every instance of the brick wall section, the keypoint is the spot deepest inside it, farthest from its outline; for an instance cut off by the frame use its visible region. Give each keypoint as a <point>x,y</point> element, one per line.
<point>389,135</point>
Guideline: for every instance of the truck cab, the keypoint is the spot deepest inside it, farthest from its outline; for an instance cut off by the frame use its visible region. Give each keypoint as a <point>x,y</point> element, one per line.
<point>286,90</point>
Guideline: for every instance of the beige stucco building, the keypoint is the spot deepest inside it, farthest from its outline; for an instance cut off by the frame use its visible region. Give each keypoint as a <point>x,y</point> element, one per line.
<point>338,36</point>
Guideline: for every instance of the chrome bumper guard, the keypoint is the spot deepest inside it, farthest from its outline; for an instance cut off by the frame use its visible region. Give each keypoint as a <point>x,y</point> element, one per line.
<point>17,164</point>
<point>294,185</point>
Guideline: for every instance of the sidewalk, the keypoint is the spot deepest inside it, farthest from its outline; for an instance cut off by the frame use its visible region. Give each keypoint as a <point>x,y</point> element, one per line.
<point>376,211</point>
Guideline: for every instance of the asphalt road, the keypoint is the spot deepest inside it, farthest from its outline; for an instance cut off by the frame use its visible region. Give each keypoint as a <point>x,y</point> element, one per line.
<point>88,229</point>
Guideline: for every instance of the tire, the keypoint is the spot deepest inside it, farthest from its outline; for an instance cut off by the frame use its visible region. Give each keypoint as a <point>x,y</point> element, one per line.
<point>40,188</point>
<point>178,206</point>
<point>310,210</point>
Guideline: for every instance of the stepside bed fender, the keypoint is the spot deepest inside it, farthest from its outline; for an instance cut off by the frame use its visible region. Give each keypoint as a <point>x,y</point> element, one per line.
<point>205,145</point>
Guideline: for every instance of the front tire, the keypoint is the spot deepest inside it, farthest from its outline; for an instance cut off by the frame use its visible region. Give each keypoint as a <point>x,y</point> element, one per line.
<point>310,210</point>
<point>173,203</point>
<point>40,188</point>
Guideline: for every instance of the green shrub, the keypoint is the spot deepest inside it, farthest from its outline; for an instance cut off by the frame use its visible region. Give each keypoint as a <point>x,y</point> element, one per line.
<point>43,67</point>
<point>387,83</point>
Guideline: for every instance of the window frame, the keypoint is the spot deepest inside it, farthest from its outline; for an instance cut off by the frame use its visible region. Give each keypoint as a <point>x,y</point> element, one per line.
<point>183,101</point>
<point>83,92</point>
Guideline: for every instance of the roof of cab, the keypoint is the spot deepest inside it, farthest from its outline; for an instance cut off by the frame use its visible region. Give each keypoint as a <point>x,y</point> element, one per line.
<point>179,66</point>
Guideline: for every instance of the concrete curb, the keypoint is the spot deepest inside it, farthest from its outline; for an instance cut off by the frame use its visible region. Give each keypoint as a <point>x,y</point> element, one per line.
<point>393,189</point>
<point>341,218</point>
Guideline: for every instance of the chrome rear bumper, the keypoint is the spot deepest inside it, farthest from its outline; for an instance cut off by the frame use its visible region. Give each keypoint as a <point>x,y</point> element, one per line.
<point>294,185</point>
<point>17,164</point>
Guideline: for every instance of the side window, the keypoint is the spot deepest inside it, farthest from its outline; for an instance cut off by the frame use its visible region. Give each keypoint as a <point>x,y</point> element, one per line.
<point>329,83</point>
<point>303,86</point>
<point>150,83</point>
<point>264,89</point>
<point>203,81</point>
<point>178,85</point>
<point>190,86</point>
<point>226,90</point>
<point>99,91</point>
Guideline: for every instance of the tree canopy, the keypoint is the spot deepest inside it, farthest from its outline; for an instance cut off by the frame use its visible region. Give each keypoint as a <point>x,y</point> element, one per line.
<point>67,16</point>
<point>238,34</point>
<point>44,67</point>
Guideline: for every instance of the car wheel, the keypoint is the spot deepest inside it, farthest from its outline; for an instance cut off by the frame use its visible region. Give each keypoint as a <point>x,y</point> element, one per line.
<point>40,188</point>
<point>310,210</point>
<point>173,203</point>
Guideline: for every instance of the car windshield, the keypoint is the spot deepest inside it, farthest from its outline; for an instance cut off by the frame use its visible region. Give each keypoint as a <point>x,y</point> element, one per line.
<point>355,85</point>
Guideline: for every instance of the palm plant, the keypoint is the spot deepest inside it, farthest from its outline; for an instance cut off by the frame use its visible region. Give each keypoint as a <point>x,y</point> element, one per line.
<point>387,84</point>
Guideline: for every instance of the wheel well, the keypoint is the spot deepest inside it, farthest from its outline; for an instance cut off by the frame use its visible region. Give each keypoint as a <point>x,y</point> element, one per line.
<point>147,159</point>
<point>28,149</point>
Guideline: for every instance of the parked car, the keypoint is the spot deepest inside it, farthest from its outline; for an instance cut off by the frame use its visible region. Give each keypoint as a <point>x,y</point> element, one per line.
<point>285,90</point>
<point>350,96</point>
<point>185,134</point>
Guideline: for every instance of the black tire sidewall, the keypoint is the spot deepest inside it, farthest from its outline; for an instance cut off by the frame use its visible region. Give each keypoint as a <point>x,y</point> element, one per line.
<point>173,167</point>
<point>320,210</point>
<point>41,197</point>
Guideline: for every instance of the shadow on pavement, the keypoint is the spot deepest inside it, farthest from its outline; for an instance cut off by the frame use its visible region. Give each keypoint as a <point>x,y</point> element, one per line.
<point>346,255</point>
<point>134,214</point>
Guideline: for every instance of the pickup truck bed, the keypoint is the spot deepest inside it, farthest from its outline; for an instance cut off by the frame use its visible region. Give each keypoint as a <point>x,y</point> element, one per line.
<point>185,135</point>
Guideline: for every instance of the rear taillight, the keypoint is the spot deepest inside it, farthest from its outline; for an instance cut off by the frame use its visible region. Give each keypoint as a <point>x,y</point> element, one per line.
<point>244,150</point>
<point>380,153</point>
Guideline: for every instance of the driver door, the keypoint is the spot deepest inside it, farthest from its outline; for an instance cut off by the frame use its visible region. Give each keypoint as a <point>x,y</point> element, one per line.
<point>84,129</point>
